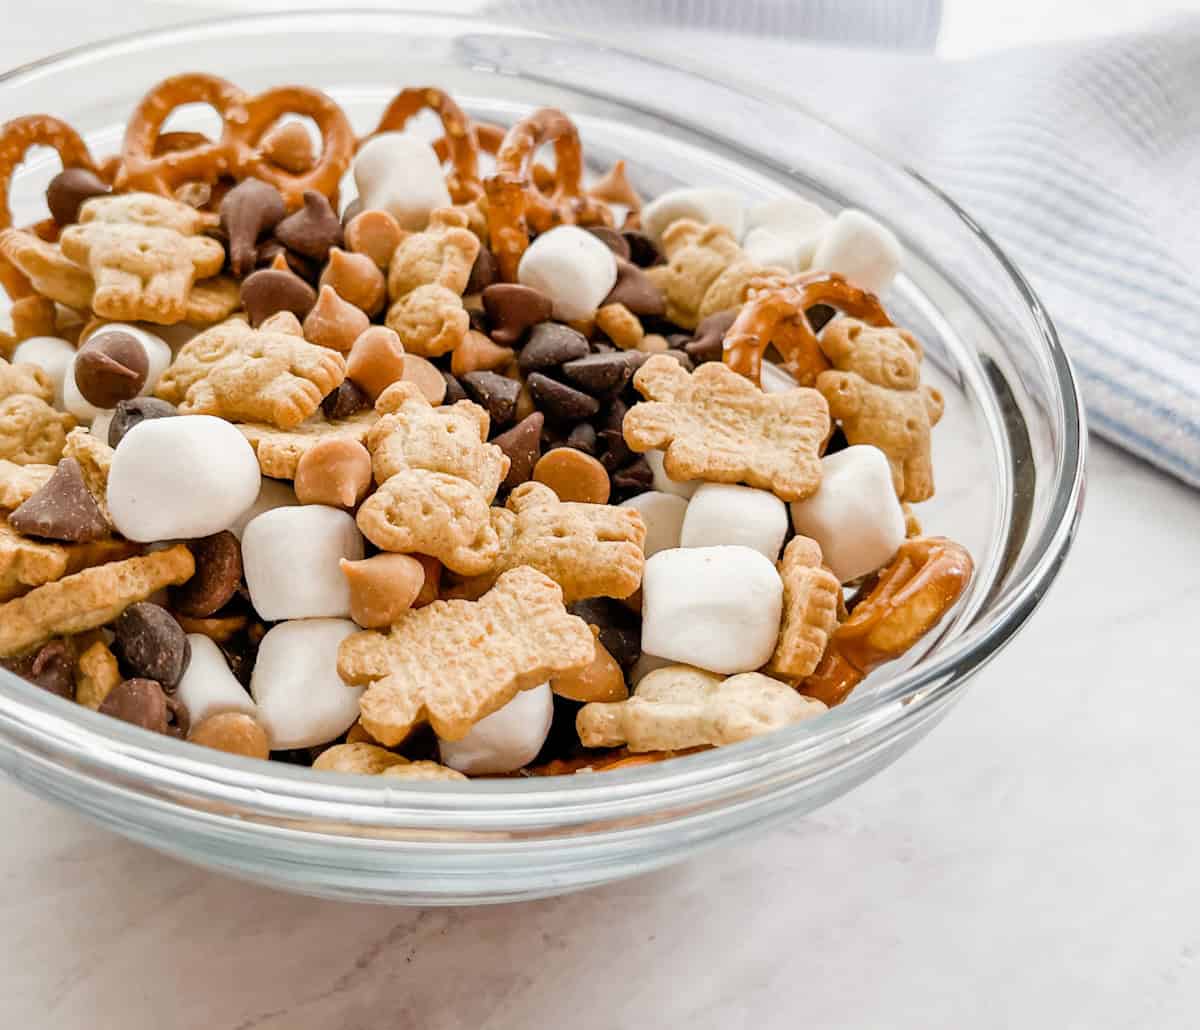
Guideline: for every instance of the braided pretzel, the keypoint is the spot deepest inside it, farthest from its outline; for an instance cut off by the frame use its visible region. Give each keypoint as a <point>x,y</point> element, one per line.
<point>516,204</point>
<point>776,314</point>
<point>16,137</point>
<point>907,600</point>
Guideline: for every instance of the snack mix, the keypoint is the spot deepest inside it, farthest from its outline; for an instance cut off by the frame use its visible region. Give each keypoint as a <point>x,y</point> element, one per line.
<point>489,469</point>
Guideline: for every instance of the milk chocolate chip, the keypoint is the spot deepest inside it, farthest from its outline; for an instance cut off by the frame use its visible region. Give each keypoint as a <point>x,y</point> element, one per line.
<point>313,230</point>
<point>63,509</point>
<point>142,702</point>
<point>248,211</point>
<point>512,309</point>
<point>69,189</point>
<point>270,290</point>
<point>218,573</point>
<point>111,367</point>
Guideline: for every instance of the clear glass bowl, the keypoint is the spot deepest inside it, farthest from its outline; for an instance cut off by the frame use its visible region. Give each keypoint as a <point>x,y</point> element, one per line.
<point>1009,458</point>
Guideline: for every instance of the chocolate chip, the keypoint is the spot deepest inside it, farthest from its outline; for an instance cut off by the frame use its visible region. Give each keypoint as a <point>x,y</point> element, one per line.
<point>636,291</point>
<point>620,630</point>
<point>142,702</point>
<point>314,230</point>
<point>837,442</point>
<point>133,412</point>
<point>522,444</point>
<point>496,393</point>
<point>706,345</point>
<point>484,272</point>
<point>642,250</point>
<point>600,374</point>
<point>52,668</point>
<point>583,438</point>
<point>346,400</point>
<point>69,189</point>
<point>268,250</point>
<point>249,210</point>
<point>454,389</point>
<point>218,572</point>
<point>151,643</point>
<point>559,400</point>
<point>111,367</point>
<point>512,309</point>
<point>819,316</point>
<point>635,478</point>
<point>241,652</point>
<point>549,345</point>
<point>677,341</point>
<point>270,290</point>
<point>62,509</point>
<point>612,239</point>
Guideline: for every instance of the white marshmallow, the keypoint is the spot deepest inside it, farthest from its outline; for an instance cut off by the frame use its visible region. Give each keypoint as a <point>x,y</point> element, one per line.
<point>855,515</point>
<point>785,232</point>
<point>572,267</point>
<point>84,410</point>
<point>400,173</point>
<point>717,608</point>
<point>52,355</point>
<point>723,513</point>
<point>788,216</point>
<point>302,701</point>
<point>158,357</point>
<point>860,248</point>
<point>770,249</point>
<point>507,739</point>
<point>775,379</point>
<point>663,515</point>
<point>180,478</point>
<point>291,560</point>
<point>664,483</point>
<point>274,493</point>
<point>208,685</point>
<point>708,206</point>
<point>100,425</point>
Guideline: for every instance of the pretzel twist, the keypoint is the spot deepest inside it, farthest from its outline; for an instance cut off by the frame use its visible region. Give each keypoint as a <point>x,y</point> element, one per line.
<point>776,314</point>
<point>16,138</point>
<point>460,143</point>
<point>909,597</point>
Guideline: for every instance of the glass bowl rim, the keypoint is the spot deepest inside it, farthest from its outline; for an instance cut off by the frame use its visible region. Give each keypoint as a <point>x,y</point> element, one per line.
<point>72,734</point>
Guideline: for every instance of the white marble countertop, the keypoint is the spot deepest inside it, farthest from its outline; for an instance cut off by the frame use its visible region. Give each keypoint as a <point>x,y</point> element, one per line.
<point>1032,863</point>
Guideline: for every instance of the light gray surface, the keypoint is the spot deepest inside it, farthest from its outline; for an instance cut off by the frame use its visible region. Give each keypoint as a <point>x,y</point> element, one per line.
<point>1033,863</point>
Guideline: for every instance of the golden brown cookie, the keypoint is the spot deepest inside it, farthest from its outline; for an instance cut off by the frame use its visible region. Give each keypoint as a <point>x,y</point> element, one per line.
<point>810,610</point>
<point>27,563</point>
<point>95,460</point>
<point>717,426</point>
<point>280,450</point>
<point>18,483</point>
<point>96,674</point>
<point>453,662</point>
<point>49,270</point>
<point>31,431</point>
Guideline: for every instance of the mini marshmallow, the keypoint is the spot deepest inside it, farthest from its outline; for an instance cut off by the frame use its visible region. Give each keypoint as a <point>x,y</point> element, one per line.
<point>572,267</point>
<point>663,515</point>
<point>274,493</point>
<point>717,608</point>
<point>855,515</point>
<point>101,424</point>
<point>291,559</point>
<point>775,379</point>
<point>302,701</point>
<point>158,357</point>
<point>707,206</point>
<point>507,739</point>
<point>785,232</point>
<point>181,478</point>
<point>858,247</point>
<point>208,686</point>
<point>769,249</point>
<point>722,513</point>
<point>52,355</point>
<point>400,173</point>
<point>664,483</point>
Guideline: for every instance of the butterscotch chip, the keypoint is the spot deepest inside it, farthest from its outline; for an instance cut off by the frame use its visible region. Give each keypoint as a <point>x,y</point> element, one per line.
<point>289,145</point>
<point>96,675</point>
<point>382,588</point>
<point>717,426</point>
<point>335,471</point>
<point>620,325</point>
<point>357,734</point>
<point>477,353</point>
<point>811,595</point>
<point>360,757</point>
<point>425,376</point>
<point>333,322</point>
<point>422,770</point>
<point>252,375</point>
<point>219,628</point>
<point>374,233</point>
<point>26,563</point>
<point>235,733</point>
<point>453,662</point>
<point>280,450</point>
<point>573,476</point>
<point>20,482</point>
<point>377,360</point>
<point>357,280</point>
<point>89,599</point>
<point>600,680</point>
<point>31,431</point>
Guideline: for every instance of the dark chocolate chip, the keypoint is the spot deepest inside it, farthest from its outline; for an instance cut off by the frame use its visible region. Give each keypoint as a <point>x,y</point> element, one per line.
<point>218,572</point>
<point>346,400</point>
<point>308,270</point>
<point>249,210</point>
<point>522,444</point>
<point>819,316</point>
<point>601,346</point>
<point>559,400</point>
<point>495,393</point>
<point>69,189</point>
<point>142,702</point>
<point>612,239</point>
<point>52,668</point>
<point>642,250</point>
<point>600,374</point>
<point>477,319</point>
<point>620,630</point>
<point>151,643</point>
<point>484,272</point>
<point>314,230</point>
<point>636,291</point>
<point>837,441</point>
<point>677,341</point>
<point>583,438</point>
<point>706,345</point>
<point>270,290</point>
<point>512,309</point>
<point>62,509</point>
<point>635,478</point>
<point>550,345</point>
<point>133,412</point>
<point>111,367</point>
<point>454,389</point>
